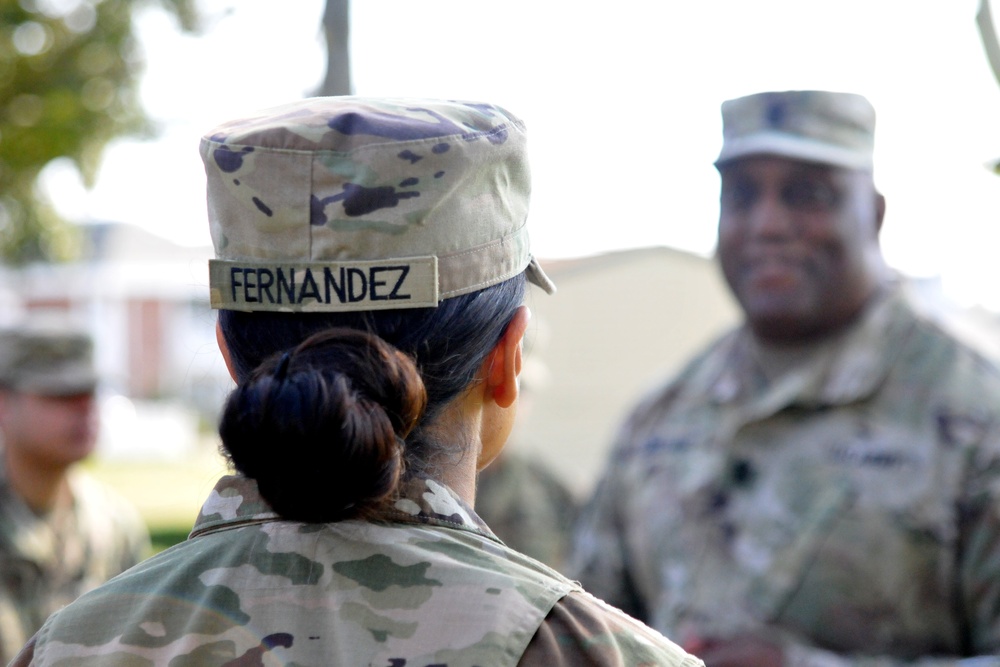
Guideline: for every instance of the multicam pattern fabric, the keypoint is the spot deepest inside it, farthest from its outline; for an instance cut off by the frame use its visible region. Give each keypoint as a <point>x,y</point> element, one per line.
<point>843,500</point>
<point>424,584</point>
<point>351,203</point>
<point>812,125</point>
<point>50,359</point>
<point>48,561</point>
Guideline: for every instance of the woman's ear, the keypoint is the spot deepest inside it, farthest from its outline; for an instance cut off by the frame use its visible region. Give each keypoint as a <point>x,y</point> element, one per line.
<point>503,365</point>
<point>224,349</point>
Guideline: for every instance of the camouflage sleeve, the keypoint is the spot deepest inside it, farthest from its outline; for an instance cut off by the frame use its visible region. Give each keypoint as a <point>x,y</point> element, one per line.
<point>977,585</point>
<point>581,630</point>
<point>979,516</point>
<point>598,556</point>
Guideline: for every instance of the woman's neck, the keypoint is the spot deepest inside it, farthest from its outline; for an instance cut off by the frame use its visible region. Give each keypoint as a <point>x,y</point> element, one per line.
<point>454,437</point>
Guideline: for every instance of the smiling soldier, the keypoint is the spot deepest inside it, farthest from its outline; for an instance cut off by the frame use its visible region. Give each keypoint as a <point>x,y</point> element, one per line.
<point>821,487</point>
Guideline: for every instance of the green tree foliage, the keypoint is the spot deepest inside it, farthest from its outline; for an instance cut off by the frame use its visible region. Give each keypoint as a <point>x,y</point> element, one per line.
<point>69,73</point>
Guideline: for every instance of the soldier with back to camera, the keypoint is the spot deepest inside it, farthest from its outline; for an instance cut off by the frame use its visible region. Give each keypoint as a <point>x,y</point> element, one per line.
<point>372,258</point>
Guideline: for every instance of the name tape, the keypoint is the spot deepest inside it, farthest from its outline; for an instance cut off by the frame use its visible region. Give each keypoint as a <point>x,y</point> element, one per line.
<point>411,282</point>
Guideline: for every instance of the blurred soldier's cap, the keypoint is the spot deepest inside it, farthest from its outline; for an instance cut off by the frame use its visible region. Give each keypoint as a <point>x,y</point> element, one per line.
<point>48,359</point>
<point>831,128</point>
<point>350,203</point>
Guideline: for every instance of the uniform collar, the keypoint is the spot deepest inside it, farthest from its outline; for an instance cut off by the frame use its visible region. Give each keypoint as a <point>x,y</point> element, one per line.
<point>236,501</point>
<point>834,371</point>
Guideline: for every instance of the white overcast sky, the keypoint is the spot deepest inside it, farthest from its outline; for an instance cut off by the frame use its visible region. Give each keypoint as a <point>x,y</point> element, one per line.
<point>622,104</point>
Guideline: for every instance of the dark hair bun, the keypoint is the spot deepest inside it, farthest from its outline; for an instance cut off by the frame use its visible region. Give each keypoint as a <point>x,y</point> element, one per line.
<point>322,427</point>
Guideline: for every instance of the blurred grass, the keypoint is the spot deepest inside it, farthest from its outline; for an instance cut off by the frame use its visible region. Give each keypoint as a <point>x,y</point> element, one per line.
<point>168,493</point>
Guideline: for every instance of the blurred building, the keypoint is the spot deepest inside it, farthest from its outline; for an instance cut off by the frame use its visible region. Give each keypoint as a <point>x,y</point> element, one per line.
<point>619,322</point>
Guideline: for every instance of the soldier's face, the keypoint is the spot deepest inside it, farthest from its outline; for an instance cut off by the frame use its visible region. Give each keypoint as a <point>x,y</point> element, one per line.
<point>49,431</point>
<point>798,244</point>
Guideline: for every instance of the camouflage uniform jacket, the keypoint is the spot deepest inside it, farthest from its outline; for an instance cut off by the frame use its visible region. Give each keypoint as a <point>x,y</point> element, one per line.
<point>48,561</point>
<point>424,584</point>
<point>843,499</point>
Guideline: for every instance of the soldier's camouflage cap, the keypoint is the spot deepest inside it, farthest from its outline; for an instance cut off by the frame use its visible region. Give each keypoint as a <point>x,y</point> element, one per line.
<point>812,125</point>
<point>51,360</point>
<point>352,203</point>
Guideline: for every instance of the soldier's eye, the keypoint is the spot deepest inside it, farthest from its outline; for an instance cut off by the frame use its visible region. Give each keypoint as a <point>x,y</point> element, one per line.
<point>810,194</point>
<point>739,195</point>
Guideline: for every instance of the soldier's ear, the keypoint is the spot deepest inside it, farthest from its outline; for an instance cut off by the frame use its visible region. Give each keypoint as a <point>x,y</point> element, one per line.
<point>224,349</point>
<point>503,366</point>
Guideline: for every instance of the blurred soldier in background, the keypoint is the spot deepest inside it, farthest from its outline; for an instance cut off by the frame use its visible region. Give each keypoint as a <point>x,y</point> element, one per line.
<point>821,486</point>
<point>61,534</point>
<point>527,506</point>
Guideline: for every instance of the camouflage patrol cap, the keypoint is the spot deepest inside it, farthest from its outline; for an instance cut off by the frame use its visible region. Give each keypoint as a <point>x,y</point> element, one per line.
<point>352,203</point>
<point>811,125</point>
<point>48,359</point>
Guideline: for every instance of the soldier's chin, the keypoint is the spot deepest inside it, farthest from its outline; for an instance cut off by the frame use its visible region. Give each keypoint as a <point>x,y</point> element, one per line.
<point>777,316</point>
<point>79,450</point>
<point>774,301</point>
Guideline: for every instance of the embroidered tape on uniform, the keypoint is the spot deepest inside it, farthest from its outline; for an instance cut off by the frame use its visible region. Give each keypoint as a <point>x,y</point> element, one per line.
<point>249,285</point>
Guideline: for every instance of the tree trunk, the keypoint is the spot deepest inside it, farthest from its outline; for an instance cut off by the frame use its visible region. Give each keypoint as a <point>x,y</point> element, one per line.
<point>336,25</point>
